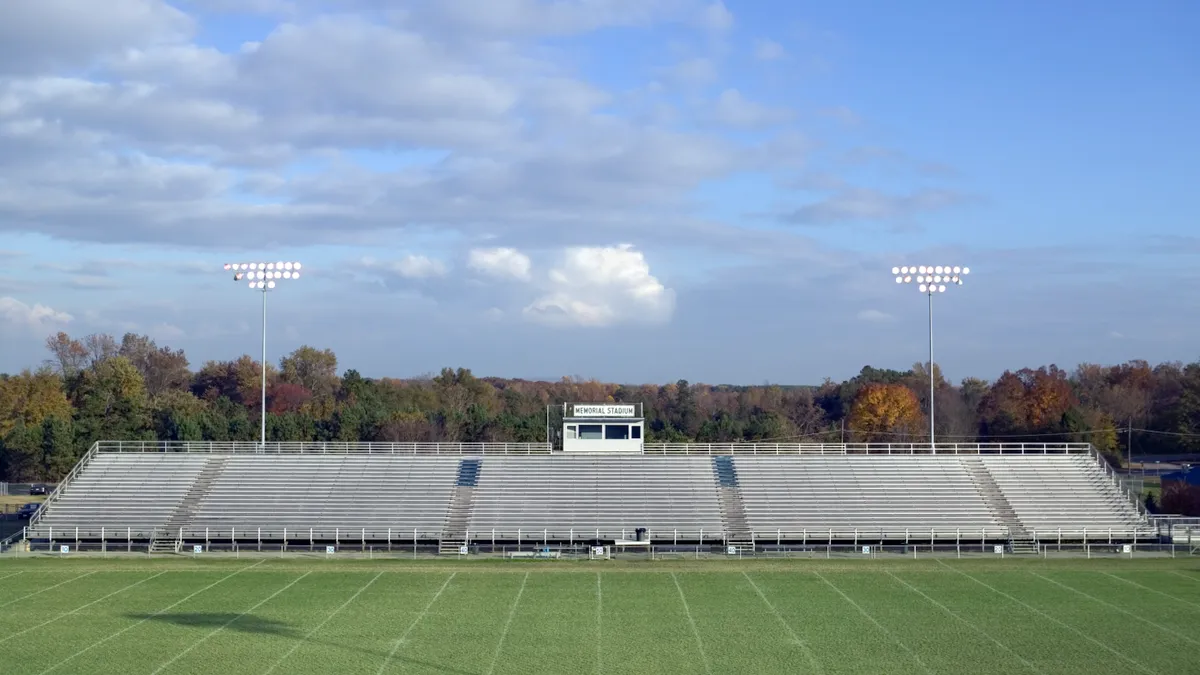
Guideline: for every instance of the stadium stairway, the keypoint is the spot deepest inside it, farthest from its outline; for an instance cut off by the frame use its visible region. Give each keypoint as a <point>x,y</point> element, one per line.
<point>733,511</point>
<point>454,531</point>
<point>1019,539</point>
<point>167,539</point>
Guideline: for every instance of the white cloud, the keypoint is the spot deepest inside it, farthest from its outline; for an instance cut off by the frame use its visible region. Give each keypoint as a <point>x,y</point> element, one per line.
<point>410,266</point>
<point>875,316</point>
<point>717,17</point>
<point>733,109</point>
<point>36,317</point>
<point>41,34</point>
<point>768,50</point>
<point>602,286</point>
<point>501,263</point>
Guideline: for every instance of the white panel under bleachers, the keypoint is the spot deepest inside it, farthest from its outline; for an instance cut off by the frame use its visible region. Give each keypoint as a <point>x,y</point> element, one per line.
<point>346,492</point>
<point>809,495</point>
<point>119,491</point>
<point>580,494</point>
<point>1071,492</point>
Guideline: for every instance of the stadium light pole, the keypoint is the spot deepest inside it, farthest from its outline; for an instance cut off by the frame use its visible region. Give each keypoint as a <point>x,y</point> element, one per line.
<point>263,277</point>
<point>931,279</point>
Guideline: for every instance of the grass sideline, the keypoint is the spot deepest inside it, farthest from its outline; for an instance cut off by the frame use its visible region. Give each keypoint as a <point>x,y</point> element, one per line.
<point>272,615</point>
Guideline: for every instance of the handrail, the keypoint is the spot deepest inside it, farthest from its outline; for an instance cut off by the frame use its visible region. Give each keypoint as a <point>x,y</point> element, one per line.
<point>12,539</point>
<point>322,447</point>
<point>1120,485</point>
<point>865,448</point>
<point>62,484</point>
<point>435,448</point>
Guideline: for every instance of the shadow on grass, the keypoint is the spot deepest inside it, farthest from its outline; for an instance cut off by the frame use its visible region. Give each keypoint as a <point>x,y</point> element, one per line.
<point>242,623</point>
<point>255,625</point>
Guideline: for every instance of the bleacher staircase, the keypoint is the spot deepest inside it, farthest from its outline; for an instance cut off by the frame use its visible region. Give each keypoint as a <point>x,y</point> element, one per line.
<point>166,539</point>
<point>454,532</point>
<point>733,511</point>
<point>1019,539</point>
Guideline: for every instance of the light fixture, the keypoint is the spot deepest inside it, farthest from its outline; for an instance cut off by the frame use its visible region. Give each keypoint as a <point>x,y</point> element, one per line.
<point>930,280</point>
<point>261,277</point>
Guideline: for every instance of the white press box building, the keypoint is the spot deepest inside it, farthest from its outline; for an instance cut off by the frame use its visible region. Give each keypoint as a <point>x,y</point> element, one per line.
<point>609,427</point>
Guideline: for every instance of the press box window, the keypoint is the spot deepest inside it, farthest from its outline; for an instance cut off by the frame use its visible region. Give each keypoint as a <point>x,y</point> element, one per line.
<point>591,431</point>
<point>571,431</point>
<point>636,431</point>
<point>616,432</point>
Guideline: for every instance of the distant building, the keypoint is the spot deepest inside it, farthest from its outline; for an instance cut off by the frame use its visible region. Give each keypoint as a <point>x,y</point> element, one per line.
<point>1187,477</point>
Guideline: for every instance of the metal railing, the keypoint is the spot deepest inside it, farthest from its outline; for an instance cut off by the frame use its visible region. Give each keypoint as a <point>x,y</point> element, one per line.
<point>334,447</point>
<point>1120,484</point>
<point>323,448</point>
<point>62,484</point>
<point>866,448</point>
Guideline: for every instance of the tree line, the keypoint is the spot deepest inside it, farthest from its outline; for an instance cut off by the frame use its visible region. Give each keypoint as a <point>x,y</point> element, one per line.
<point>98,388</point>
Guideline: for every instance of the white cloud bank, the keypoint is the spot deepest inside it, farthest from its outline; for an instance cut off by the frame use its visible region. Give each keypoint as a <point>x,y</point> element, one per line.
<point>500,263</point>
<point>602,286</point>
<point>35,317</point>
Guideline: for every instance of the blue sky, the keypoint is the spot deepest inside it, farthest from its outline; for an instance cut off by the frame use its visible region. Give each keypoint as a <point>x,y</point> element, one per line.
<point>630,190</point>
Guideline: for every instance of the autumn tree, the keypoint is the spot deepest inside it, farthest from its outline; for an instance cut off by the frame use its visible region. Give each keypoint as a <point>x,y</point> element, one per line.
<point>886,413</point>
<point>29,398</point>
<point>162,369</point>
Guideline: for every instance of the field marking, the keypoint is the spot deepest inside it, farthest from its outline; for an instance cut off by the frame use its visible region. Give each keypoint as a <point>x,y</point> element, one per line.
<point>1039,612</point>
<point>101,641</point>
<point>977,629</point>
<point>812,659</point>
<point>11,575</point>
<point>507,624</point>
<point>1175,572</point>
<point>321,625</point>
<point>225,625</point>
<point>77,609</point>
<point>599,627</point>
<point>878,625</point>
<point>1118,608</point>
<point>49,588</point>
<point>411,626</point>
<point>692,622</point>
<point>1153,590</point>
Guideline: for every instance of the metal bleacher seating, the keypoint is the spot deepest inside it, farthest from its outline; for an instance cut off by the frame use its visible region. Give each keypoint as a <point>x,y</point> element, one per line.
<point>329,492</point>
<point>807,496</point>
<point>122,492</point>
<point>1067,492</point>
<point>567,496</point>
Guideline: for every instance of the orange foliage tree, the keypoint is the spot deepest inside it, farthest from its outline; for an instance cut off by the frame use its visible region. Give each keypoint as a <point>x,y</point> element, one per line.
<point>886,413</point>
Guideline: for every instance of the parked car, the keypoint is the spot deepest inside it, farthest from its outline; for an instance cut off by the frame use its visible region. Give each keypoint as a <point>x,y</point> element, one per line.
<point>37,489</point>
<point>28,510</point>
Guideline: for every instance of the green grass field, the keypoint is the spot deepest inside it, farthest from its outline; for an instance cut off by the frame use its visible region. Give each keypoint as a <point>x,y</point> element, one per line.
<point>223,617</point>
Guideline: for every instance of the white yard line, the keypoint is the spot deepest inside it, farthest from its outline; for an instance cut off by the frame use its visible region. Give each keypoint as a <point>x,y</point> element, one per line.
<point>878,625</point>
<point>11,575</point>
<point>322,624</point>
<point>812,659</point>
<point>1044,615</point>
<point>414,623</point>
<point>972,626</point>
<point>223,626</point>
<point>1122,610</point>
<point>1176,573</point>
<point>508,624</point>
<point>64,615</point>
<point>695,631</point>
<point>1153,590</point>
<point>49,588</point>
<point>599,627</point>
<point>101,641</point>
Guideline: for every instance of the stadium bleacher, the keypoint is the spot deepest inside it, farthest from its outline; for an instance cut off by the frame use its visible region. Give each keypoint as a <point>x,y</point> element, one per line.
<point>576,497</point>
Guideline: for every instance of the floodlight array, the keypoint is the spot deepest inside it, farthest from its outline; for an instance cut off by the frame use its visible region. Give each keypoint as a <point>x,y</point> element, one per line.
<point>262,276</point>
<point>931,278</point>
